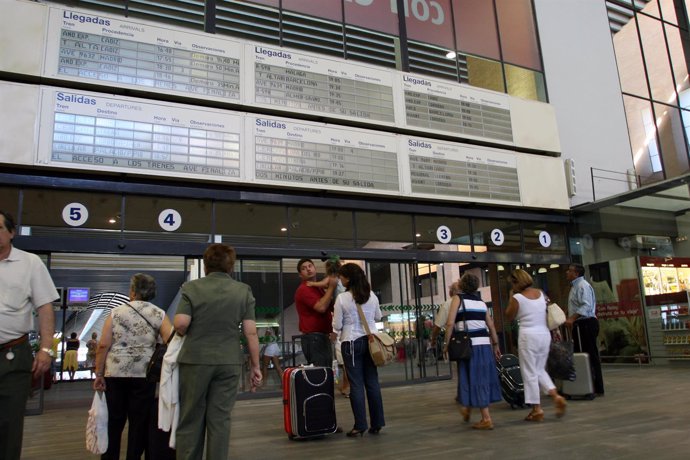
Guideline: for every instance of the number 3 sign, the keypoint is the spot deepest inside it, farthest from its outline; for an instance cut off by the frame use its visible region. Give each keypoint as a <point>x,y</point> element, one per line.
<point>169,220</point>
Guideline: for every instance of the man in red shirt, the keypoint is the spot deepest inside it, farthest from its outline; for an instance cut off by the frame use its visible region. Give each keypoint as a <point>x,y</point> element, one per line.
<point>315,310</point>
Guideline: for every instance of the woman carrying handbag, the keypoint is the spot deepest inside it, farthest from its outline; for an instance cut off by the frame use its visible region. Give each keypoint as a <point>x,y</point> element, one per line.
<point>477,377</point>
<point>361,370</point>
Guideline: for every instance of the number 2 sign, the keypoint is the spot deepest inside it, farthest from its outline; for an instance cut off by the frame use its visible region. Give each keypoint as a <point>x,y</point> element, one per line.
<point>497,237</point>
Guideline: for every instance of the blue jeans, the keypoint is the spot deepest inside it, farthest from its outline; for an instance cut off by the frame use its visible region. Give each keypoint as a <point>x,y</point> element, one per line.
<point>363,375</point>
<point>317,349</point>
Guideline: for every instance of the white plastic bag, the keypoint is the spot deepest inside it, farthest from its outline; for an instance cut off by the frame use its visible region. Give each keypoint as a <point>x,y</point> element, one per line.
<point>554,316</point>
<point>97,425</point>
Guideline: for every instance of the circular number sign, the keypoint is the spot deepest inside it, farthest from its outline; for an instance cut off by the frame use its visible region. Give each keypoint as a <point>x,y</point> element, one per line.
<point>75,214</point>
<point>443,234</point>
<point>497,237</point>
<point>169,220</point>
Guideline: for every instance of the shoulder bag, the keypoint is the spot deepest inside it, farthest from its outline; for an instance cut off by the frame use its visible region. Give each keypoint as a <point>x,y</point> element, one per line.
<point>381,345</point>
<point>155,364</point>
<point>460,345</point>
<point>555,316</point>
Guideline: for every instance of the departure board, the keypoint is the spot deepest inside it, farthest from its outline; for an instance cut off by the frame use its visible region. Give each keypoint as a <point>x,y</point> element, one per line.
<point>460,171</point>
<point>112,51</point>
<point>315,155</point>
<point>98,131</point>
<point>456,109</point>
<point>292,81</point>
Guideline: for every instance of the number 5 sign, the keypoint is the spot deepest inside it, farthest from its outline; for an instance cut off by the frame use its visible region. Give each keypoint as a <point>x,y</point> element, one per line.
<point>75,214</point>
<point>169,220</point>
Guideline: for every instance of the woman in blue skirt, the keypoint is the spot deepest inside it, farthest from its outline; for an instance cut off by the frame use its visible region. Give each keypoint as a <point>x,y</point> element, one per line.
<point>477,377</point>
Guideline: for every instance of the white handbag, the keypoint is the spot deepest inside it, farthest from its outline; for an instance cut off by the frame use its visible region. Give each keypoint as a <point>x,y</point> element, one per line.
<point>97,425</point>
<point>554,316</point>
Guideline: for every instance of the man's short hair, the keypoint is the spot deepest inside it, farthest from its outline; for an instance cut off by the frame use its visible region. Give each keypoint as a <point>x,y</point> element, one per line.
<point>579,269</point>
<point>302,261</point>
<point>219,258</point>
<point>9,221</point>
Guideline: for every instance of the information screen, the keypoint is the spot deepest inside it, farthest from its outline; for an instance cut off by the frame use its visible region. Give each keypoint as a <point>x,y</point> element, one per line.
<point>316,155</point>
<point>94,47</point>
<point>102,131</point>
<point>455,109</point>
<point>453,170</point>
<point>287,80</point>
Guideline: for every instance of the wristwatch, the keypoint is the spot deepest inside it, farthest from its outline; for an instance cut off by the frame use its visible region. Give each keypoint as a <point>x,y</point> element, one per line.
<point>50,352</point>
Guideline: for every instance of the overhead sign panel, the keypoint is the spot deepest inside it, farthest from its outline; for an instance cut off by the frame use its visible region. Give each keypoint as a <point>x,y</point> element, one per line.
<point>316,155</point>
<point>454,171</point>
<point>456,109</point>
<point>125,53</point>
<point>89,130</point>
<point>286,80</point>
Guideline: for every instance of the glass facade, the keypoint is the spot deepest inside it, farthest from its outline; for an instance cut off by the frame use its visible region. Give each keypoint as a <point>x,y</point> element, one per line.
<point>653,69</point>
<point>488,44</point>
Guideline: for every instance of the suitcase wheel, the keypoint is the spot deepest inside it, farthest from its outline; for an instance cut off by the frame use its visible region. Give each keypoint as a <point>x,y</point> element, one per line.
<point>591,396</point>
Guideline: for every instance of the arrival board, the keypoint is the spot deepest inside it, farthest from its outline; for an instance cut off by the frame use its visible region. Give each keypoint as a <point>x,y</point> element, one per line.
<point>291,81</point>
<point>316,155</point>
<point>112,51</point>
<point>456,109</point>
<point>100,131</point>
<point>453,170</point>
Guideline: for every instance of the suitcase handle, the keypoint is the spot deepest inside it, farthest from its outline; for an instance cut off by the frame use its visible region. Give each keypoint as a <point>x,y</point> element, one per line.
<point>316,384</point>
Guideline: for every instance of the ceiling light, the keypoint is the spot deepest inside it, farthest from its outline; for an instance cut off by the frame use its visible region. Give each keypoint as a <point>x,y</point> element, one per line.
<point>283,229</point>
<point>418,235</point>
<point>112,220</point>
<point>554,266</point>
<point>451,54</point>
<point>541,270</point>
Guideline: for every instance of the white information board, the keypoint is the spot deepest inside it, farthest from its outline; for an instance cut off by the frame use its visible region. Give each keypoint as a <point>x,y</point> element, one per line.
<point>93,131</point>
<point>286,80</point>
<point>456,171</point>
<point>97,48</point>
<point>455,109</point>
<point>315,155</point>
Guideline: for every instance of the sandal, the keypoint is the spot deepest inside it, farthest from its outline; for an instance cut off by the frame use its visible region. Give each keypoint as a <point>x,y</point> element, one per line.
<point>465,412</point>
<point>561,405</point>
<point>534,417</point>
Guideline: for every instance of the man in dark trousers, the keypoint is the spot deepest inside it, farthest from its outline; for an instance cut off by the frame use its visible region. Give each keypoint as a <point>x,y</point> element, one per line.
<point>583,321</point>
<point>315,309</point>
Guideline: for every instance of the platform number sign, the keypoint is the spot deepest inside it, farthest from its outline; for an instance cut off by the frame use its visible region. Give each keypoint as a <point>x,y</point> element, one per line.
<point>545,239</point>
<point>497,237</point>
<point>443,234</point>
<point>75,214</point>
<point>169,220</point>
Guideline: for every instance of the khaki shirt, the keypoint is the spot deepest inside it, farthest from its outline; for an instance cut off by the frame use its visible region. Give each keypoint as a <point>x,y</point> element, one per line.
<point>217,304</point>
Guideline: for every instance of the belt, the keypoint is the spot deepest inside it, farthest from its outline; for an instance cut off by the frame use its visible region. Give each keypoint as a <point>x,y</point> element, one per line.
<point>14,343</point>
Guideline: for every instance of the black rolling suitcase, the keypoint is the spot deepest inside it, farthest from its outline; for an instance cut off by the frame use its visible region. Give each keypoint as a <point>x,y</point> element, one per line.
<point>308,403</point>
<point>512,388</point>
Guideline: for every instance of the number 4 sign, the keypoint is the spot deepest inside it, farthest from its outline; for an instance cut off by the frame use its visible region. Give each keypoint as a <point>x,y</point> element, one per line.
<point>169,220</point>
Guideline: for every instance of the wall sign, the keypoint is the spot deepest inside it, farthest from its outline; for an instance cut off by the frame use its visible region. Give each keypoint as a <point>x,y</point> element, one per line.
<point>545,239</point>
<point>169,220</point>
<point>75,214</point>
<point>443,234</point>
<point>497,237</point>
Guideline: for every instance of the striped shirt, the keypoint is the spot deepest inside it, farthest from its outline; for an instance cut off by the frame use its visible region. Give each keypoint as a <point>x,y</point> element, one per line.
<point>473,311</point>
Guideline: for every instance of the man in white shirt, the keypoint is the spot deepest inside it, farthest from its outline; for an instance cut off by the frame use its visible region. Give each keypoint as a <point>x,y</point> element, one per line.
<point>25,287</point>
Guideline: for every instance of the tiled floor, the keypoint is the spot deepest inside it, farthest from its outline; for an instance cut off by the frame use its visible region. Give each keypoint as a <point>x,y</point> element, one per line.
<point>644,415</point>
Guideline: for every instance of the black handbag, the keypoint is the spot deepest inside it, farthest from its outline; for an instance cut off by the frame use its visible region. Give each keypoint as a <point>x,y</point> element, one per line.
<point>153,368</point>
<point>460,345</point>
<point>559,364</point>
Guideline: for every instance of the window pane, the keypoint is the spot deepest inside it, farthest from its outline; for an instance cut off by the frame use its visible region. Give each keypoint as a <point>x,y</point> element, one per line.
<point>668,11</point>
<point>321,227</point>
<point>251,224</point>
<point>671,140</point>
<point>678,62</point>
<point>518,33</point>
<point>143,213</point>
<point>427,227</point>
<point>475,28</point>
<point>544,238</point>
<point>326,9</point>
<point>377,230</point>
<point>485,232</point>
<point>273,3</point>
<point>652,8</point>
<point>430,22</point>
<point>658,67</point>
<point>629,57</point>
<point>643,139</point>
<point>485,73</point>
<point>44,208</point>
<point>525,83</point>
<point>376,16</point>
<point>9,201</point>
